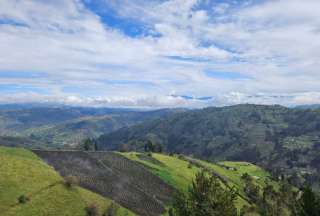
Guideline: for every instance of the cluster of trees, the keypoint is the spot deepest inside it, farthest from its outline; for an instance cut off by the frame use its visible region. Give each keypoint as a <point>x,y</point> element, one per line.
<point>89,145</point>
<point>208,197</point>
<point>308,204</point>
<point>205,197</point>
<point>150,146</point>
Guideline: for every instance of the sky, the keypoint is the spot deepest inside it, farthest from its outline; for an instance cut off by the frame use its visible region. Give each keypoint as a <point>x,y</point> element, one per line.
<point>160,53</point>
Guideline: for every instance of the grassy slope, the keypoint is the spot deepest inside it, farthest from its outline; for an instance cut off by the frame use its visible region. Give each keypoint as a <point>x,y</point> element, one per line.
<point>176,172</point>
<point>23,173</point>
<point>239,168</point>
<point>173,171</point>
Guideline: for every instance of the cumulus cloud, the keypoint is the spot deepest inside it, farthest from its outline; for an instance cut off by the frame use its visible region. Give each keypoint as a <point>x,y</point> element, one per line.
<point>83,58</point>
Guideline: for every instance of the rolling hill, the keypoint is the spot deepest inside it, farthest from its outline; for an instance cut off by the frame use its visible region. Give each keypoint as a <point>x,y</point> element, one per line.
<point>142,183</point>
<point>55,127</point>
<point>25,174</point>
<point>280,139</point>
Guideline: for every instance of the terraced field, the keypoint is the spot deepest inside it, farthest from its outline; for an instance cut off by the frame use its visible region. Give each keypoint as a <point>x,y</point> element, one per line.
<point>23,173</point>
<point>114,176</point>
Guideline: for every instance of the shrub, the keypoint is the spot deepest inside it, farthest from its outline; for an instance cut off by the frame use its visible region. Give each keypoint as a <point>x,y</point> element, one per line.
<point>92,210</point>
<point>246,177</point>
<point>190,165</point>
<point>23,199</point>
<point>71,181</point>
<point>181,157</point>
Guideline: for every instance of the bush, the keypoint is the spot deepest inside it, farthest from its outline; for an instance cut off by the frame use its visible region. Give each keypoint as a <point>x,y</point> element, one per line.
<point>92,210</point>
<point>190,165</point>
<point>71,181</point>
<point>23,199</point>
<point>181,157</point>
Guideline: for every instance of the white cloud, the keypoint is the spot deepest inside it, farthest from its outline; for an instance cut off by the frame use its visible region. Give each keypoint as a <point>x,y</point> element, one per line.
<point>275,44</point>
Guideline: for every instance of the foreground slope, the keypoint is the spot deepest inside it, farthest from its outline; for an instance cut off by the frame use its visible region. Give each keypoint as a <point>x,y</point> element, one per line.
<point>23,173</point>
<point>145,183</point>
<point>114,176</point>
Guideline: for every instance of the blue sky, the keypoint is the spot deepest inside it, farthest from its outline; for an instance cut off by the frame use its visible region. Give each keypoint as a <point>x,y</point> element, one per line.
<point>160,53</point>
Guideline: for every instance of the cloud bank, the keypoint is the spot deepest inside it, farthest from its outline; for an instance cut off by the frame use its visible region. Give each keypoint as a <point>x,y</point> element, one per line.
<point>139,53</point>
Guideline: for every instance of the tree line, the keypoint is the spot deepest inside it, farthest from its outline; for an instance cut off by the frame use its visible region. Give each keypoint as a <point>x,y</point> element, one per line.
<point>208,197</point>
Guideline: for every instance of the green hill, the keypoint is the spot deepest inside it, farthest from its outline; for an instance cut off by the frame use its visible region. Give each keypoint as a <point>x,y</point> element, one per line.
<point>24,173</point>
<point>143,183</point>
<point>179,171</point>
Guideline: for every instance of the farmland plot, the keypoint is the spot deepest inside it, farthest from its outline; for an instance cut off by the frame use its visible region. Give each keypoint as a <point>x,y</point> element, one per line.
<point>113,176</point>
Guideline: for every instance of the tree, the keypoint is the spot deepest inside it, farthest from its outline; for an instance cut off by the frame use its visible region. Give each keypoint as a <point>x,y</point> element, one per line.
<point>309,203</point>
<point>205,197</point>
<point>90,145</point>
<point>148,147</point>
<point>251,189</point>
<point>271,203</point>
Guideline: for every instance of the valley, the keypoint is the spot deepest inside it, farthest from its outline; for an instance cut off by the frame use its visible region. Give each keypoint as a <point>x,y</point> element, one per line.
<point>129,162</point>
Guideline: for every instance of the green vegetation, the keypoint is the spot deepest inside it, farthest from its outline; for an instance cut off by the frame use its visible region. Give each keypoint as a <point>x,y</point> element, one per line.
<point>61,127</point>
<point>282,140</point>
<point>89,145</point>
<point>180,171</point>
<point>308,204</point>
<point>205,197</point>
<point>30,187</point>
<point>171,169</point>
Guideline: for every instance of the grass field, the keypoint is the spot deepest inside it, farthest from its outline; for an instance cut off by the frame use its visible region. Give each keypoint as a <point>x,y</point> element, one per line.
<point>23,173</point>
<point>179,174</point>
<point>172,170</point>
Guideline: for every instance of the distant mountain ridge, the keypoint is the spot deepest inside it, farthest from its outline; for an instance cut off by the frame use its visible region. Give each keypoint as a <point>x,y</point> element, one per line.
<point>275,137</point>
<point>59,126</point>
<point>311,106</point>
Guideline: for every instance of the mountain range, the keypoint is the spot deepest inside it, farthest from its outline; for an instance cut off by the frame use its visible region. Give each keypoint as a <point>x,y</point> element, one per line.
<point>284,140</point>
